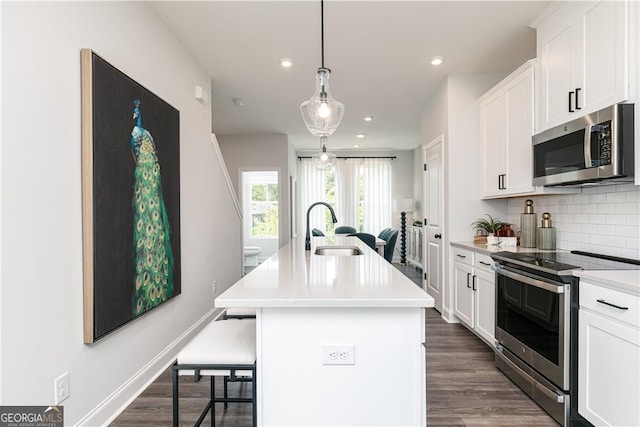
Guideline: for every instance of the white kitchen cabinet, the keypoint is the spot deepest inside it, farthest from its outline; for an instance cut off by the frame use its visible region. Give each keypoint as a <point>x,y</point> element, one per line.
<point>506,118</point>
<point>414,245</point>
<point>474,292</point>
<point>463,300</point>
<point>608,356</point>
<point>506,121</point>
<point>583,49</point>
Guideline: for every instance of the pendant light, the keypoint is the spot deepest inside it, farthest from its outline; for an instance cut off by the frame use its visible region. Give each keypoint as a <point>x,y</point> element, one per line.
<point>323,159</point>
<point>322,114</point>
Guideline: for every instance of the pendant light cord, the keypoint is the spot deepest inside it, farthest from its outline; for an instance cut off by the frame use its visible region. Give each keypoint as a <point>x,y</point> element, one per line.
<point>322,31</point>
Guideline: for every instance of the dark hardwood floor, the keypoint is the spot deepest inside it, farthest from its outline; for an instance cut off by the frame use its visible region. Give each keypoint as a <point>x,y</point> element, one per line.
<point>464,388</point>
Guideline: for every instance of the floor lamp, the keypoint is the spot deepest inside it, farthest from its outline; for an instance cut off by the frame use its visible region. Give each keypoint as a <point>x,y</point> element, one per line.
<point>403,206</point>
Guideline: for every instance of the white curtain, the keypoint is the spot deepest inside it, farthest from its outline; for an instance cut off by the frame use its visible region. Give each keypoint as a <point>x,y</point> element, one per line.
<point>377,194</point>
<point>347,192</point>
<point>313,188</point>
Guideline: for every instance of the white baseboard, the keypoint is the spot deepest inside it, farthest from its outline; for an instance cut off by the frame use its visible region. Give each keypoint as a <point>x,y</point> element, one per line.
<point>109,409</point>
<point>449,317</point>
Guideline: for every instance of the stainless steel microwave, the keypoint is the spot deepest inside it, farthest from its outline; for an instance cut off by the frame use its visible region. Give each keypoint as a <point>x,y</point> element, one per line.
<point>595,148</point>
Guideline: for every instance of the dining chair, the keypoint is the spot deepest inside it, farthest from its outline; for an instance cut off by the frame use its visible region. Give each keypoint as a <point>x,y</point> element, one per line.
<point>369,239</point>
<point>391,237</point>
<point>316,232</point>
<point>345,229</point>
<point>384,233</point>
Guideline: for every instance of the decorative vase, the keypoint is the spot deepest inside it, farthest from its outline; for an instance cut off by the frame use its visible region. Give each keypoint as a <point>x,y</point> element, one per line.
<point>528,223</point>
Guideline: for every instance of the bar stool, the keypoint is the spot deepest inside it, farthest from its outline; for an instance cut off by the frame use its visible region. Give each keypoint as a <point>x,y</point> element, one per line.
<point>222,349</point>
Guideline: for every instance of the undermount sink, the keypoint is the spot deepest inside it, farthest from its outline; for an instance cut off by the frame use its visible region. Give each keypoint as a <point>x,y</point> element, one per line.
<point>338,250</point>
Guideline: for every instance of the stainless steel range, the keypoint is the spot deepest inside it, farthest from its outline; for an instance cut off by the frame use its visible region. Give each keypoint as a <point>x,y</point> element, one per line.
<point>537,323</point>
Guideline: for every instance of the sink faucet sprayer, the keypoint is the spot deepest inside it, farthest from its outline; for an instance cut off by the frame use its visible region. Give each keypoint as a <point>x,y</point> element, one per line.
<point>307,240</point>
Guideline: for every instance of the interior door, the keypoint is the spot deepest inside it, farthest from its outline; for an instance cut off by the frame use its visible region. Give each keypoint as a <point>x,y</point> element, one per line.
<point>433,188</point>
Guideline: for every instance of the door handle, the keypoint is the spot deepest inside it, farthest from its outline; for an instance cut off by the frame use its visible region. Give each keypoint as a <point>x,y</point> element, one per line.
<point>501,185</point>
<point>601,301</point>
<point>473,282</point>
<point>468,276</point>
<point>437,236</point>
<point>577,102</point>
<point>571,110</point>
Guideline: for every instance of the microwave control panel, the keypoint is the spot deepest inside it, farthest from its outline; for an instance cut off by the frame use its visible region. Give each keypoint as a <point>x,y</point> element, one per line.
<point>603,134</point>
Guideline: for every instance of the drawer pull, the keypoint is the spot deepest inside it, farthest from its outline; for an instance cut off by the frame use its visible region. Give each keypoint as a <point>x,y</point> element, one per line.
<point>601,301</point>
<point>461,256</point>
<point>484,263</point>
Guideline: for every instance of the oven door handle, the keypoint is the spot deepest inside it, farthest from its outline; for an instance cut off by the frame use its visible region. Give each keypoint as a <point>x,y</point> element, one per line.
<point>555,287</point>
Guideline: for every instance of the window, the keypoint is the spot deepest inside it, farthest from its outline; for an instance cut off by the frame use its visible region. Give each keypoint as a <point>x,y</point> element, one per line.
<point>264,210</point>
<point>359,190</point>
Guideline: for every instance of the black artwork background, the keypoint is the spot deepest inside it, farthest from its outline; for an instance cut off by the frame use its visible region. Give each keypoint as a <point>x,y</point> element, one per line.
<point>113,167</point>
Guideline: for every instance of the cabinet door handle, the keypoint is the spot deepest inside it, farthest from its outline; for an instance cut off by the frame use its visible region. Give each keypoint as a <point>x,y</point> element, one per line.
<point>571,110</point>
<point>437,236</point>
<point>601,301</point>
<point>578,102</point>
<point>501,185</point>
<point>484,263</point>
<point>473,281</point>
<point>504,177</point>
<point>468,276</point>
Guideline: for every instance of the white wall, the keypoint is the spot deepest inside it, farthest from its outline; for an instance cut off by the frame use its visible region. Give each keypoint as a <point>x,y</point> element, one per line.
<point>261,152</point>
<point>41,289</point>
<point>604,219</point>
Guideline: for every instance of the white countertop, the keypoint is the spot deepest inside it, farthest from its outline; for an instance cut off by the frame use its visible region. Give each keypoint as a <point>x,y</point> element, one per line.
<point>489,249</point>
<point>623,280</point>
<point>294,277</point>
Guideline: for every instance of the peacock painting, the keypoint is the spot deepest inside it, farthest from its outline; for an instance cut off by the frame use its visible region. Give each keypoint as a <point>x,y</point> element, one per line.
<point>153,257</point>
<point>132,259</point>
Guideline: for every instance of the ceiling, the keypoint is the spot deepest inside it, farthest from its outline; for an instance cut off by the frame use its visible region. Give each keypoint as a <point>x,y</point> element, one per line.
<point>378,51</point>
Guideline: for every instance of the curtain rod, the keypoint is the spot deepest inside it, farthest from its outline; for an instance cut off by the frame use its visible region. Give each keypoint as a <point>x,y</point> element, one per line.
<point>354,157</point>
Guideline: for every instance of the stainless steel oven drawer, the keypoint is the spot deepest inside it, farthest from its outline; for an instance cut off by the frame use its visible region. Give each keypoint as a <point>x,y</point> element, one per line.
<point>553,400</point>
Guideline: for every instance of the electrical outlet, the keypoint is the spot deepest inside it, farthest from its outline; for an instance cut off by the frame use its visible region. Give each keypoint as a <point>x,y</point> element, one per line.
<point>61,385</point>
<point>214,287</point>
<point>338,354</point>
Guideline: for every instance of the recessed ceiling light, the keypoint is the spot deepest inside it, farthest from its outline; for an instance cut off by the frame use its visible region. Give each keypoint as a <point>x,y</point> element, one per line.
<point>356,146</point>
<point>286,62</point>
<point>360,135</point>
<point>368,118</point>
<point>437,60</point>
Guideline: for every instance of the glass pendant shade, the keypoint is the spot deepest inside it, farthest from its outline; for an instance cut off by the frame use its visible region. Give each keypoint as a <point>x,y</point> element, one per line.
<point>323,159</point>
<point>322,114</point>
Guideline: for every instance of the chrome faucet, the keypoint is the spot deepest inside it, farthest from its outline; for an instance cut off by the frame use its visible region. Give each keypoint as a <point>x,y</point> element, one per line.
<point>307,240</point>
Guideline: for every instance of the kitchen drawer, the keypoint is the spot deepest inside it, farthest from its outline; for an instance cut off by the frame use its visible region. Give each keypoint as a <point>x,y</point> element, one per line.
<point>464,256</point>
<point>483,262</point>
<point>590,295</point>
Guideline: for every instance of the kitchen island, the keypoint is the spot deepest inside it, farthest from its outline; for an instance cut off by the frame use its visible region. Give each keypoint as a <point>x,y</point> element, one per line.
<point>339,337</point>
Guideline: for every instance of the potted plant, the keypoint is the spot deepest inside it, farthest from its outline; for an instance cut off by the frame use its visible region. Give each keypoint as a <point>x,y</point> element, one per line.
<point>485,227</point>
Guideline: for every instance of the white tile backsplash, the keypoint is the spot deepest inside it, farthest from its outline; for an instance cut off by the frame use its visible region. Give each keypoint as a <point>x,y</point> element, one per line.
<point>604,219</point>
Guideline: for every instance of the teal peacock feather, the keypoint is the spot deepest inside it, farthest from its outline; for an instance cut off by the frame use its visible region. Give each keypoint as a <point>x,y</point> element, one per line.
<point>153,258</point>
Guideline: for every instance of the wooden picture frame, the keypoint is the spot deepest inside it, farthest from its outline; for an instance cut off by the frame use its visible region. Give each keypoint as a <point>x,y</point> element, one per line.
<point>130,198</point>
